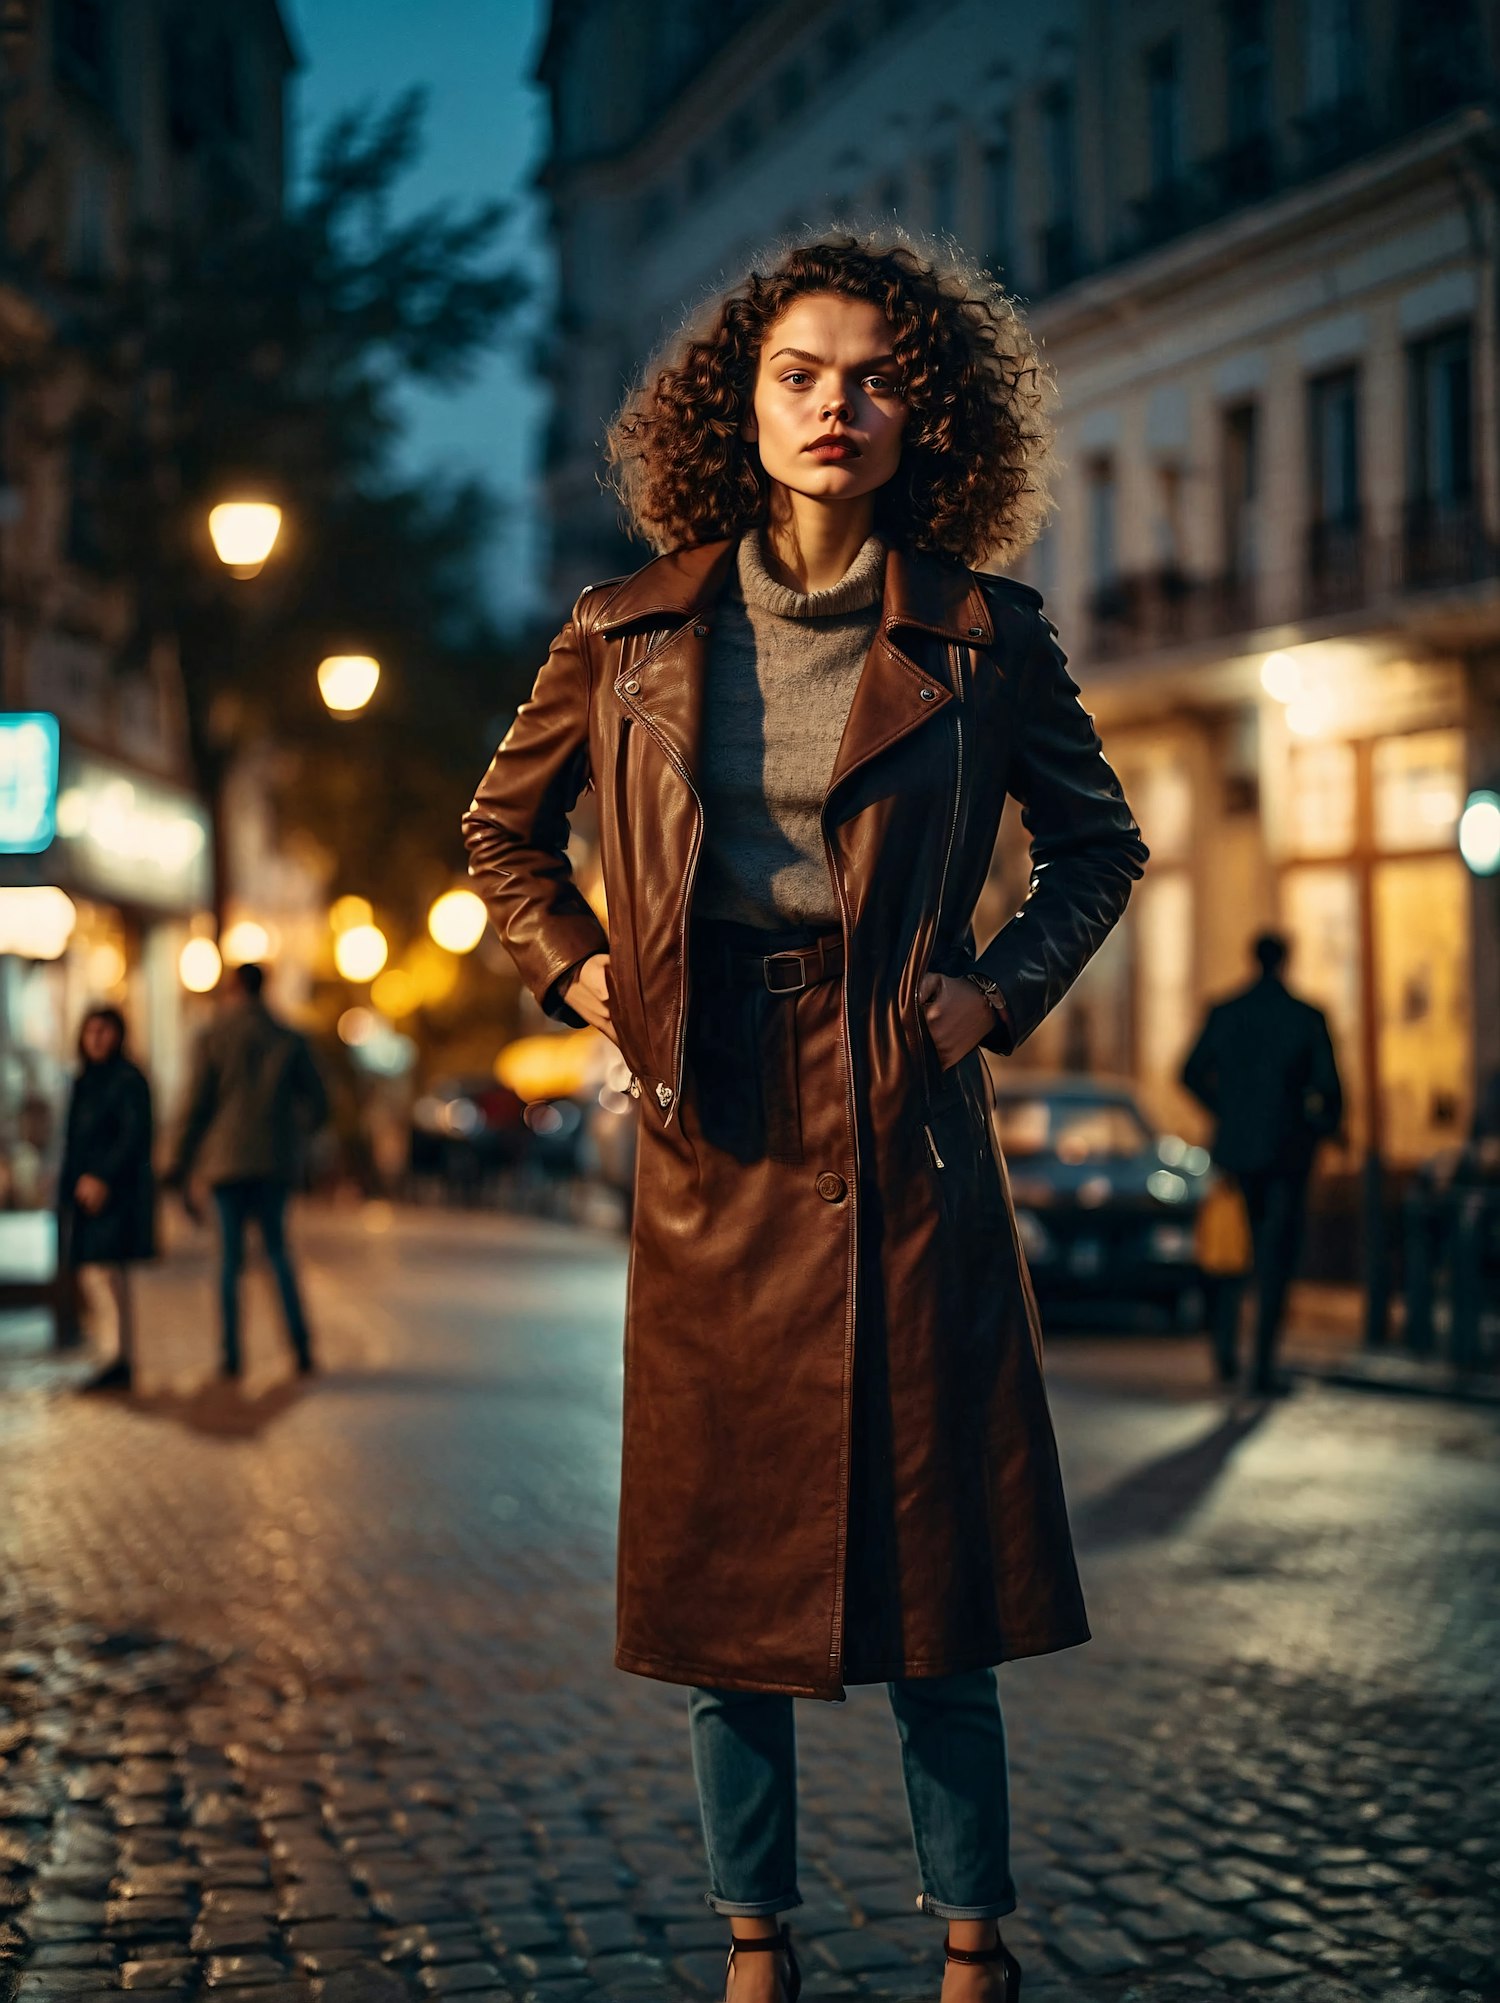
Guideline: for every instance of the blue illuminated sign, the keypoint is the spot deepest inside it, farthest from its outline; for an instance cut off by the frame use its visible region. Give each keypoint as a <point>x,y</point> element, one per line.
<point>28,782</point>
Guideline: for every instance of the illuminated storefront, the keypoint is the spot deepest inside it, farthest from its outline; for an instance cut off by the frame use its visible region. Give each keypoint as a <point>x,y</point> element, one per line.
<point>103,871</point>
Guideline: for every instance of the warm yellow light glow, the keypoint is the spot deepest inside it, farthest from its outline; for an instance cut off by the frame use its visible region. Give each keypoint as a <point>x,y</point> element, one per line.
<point>1281,676</point>
<point>36,921</point>
<point>347,912</point>
<point>360,953</point>
<point>357,1025</point>
<point>347,681</point>
<point>244,534</point>
<point>1311,712</point>
<point>434,971</point>
<point>245,942</point>
<point>106,965</point>
<point>547,1067</point>
<point>199,966</point>
<point>456,921</point>
<point>395,993</point>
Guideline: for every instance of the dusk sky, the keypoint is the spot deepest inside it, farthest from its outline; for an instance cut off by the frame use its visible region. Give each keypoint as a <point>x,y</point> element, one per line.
<point>485,128</point>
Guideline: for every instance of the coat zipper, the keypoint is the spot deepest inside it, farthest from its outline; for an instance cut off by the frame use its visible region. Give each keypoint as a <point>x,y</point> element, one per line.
<point>958,789</point>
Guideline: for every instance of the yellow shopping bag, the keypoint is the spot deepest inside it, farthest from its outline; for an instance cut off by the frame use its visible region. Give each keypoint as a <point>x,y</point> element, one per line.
<point>1221,1234</point>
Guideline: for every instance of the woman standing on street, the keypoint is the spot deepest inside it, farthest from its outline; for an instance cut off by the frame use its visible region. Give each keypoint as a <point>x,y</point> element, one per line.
<point>800,723</point>
<point>106,1194</point>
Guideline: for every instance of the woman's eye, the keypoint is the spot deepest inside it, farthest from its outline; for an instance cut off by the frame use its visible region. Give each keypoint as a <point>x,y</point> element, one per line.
<point>796,377</point>
<point>883,384</point>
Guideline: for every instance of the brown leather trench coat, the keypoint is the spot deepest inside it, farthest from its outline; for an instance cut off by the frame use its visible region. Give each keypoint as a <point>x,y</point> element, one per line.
<point>838,1463</point>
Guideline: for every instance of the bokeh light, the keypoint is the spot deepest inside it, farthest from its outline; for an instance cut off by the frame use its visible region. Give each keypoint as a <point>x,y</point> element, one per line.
<point>199,966</point>
<point>346,682</point>
<point>360,953</point>
<point>457,920</point>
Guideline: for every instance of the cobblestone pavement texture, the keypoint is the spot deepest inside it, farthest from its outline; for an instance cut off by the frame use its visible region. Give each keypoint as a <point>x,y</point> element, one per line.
<point>307,1692</point>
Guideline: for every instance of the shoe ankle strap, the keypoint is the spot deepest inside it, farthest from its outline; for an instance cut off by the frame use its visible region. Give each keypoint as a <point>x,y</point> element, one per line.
<point>761,1941</point>
<point>995,1953</point>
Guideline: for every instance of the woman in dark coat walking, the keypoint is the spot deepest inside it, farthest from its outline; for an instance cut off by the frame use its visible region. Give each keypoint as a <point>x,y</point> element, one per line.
<point>106,1191</point>
<point>801,722</point>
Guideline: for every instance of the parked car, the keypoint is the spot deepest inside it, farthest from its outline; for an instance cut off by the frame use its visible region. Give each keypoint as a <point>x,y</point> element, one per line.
<point>1105,1205</point>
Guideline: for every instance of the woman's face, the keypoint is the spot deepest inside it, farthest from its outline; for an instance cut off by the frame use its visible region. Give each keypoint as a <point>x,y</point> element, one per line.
<point>101,1039</point>
<point>826,411</point>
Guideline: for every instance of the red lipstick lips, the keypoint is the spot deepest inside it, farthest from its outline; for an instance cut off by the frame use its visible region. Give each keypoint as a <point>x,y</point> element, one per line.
<point>833,448</point>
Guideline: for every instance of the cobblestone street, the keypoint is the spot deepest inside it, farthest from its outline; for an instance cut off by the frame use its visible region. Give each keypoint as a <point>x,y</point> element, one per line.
<point>307,1692</point>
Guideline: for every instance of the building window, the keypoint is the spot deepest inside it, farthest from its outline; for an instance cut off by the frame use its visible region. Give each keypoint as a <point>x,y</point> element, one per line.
<point>81,45</point>
<point>1164,114</point>
<point>942,180</point>
<point>83,541</point>
<point>1249,57</point>
<point>1241,488</point>
<point>1333,53</point>
<point>1103,556</point>
<point>1335,553</point>
<point>1059,259</point>
<point>1440,57</point>
<point>999,203</point>
<point>1442,541</point>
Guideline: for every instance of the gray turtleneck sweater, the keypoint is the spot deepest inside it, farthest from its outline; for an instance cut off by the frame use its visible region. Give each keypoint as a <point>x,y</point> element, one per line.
<point>782,668</point>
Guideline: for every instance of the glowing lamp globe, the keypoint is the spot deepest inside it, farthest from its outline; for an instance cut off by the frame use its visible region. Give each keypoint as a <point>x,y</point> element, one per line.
<point>457,921</point>
<point>360,953</point>
<point>347,681</point>
<point>199,966</point>
<point>244,534</point>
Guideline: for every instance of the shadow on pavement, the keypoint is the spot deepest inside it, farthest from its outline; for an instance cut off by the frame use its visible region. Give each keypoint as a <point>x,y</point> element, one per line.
<point>1152,1500</point>
<point>220,1409</point>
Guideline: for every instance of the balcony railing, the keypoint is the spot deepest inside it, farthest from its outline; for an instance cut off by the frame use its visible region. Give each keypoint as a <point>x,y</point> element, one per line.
<point>1345,568</point>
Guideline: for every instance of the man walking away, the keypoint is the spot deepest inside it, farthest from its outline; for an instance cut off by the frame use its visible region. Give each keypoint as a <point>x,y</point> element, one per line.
<point>1264,1067</point>
<point>256,1097</point>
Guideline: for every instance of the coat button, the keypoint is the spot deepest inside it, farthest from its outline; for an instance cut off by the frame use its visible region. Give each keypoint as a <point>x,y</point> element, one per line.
<point>975,632</point>
<point>664,1094</point>
<point>928,695</point>
<point>832,1188</point>
<point>632,688</point>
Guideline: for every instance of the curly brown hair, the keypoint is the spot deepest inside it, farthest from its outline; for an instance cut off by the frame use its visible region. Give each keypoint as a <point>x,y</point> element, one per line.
<point>972,481</point>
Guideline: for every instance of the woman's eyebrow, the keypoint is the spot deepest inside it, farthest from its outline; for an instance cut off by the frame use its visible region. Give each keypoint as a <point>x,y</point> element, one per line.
<point>802,355</point>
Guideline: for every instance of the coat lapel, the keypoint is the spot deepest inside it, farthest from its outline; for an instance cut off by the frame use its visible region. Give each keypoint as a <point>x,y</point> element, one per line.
<point>662,684</point>
<point>894,695</point>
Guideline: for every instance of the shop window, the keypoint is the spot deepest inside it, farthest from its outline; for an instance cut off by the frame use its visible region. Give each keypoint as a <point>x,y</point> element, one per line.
<point>1323,799</point>
<point>1421,923</point>
<point>1418,789</point>
<point>1320,913</point>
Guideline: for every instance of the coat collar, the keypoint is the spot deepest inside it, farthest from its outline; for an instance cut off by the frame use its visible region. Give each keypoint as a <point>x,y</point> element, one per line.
<point>922,592</point>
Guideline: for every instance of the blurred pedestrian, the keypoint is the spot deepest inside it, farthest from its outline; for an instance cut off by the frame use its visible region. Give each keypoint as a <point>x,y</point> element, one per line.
<point>800,724</point>
<point>255,1100</point>
<point>1264,1067</point>
<point>106,1192</point>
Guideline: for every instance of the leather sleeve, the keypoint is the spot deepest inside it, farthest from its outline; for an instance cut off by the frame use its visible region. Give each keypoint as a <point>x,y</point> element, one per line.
<point>516,828</point>
<point>1086,850</point>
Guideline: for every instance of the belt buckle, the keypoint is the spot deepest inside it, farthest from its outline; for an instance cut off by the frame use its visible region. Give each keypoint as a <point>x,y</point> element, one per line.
<point>798,985</point>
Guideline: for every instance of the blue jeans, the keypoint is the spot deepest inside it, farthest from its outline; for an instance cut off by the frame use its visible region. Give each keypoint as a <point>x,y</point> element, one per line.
<point>263,1199</point>
<point>953,1762</point>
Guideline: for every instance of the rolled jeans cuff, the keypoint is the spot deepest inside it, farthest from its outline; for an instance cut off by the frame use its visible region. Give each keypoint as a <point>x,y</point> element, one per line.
<point>940,1909</point>
<point>753,1909</point>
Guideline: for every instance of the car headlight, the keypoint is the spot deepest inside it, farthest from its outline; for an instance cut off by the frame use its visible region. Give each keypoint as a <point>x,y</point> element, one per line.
<point>1035,1237</point>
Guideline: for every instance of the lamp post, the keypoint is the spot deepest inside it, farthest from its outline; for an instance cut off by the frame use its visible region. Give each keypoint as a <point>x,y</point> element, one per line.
<point>244,533</point>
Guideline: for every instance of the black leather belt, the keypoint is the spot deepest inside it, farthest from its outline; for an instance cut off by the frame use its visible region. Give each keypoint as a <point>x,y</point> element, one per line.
<point>784,973</point>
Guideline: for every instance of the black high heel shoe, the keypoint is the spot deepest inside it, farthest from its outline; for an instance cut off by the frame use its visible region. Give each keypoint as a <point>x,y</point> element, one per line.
<point>999,1952</point>
<point>764,1943</point>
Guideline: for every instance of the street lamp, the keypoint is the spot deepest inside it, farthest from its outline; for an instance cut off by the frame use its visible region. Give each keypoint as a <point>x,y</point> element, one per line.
<point>457,921</point>
<point>347,681</point>
<point>244,534</point>
<point>360,953</point>
<point>1479,832</point>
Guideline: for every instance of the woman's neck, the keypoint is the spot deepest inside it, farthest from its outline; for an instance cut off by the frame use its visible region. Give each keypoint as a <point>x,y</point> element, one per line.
<point>811,544</point>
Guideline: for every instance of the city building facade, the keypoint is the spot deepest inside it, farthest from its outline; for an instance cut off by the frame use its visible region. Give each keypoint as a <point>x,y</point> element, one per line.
<point>1261,244</point>
<point>123,118</point>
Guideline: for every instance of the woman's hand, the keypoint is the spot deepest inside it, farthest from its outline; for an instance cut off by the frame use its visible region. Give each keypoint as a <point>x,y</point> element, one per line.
<point>90,1194</point>
<point>588,994</point>
<point>957,1015</point>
